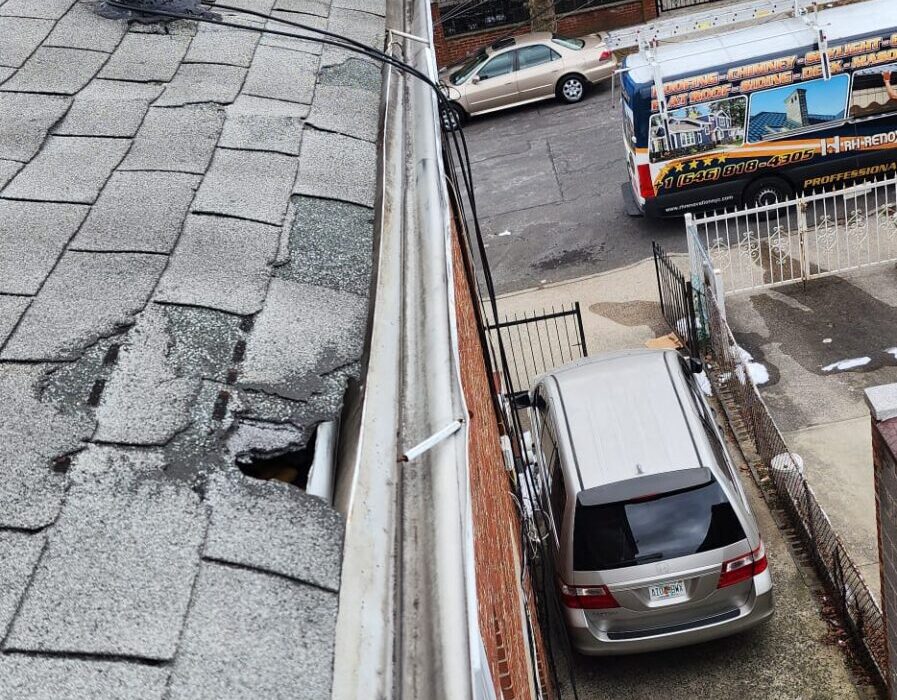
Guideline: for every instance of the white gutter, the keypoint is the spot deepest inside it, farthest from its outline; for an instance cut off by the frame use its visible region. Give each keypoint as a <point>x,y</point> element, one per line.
<point>407,624</point>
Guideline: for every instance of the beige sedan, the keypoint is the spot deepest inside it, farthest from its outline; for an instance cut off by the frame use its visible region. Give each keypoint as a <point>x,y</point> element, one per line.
<point>522,69</point>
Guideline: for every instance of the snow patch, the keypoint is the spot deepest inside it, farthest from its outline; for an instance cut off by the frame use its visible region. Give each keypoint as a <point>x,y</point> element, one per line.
<point>757,371</point>
<point>845,365</point>
<point>704,383</point>
<point>892,352</point>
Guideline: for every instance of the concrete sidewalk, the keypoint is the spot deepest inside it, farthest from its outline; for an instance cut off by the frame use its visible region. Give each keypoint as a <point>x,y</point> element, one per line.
<point>792,656</point>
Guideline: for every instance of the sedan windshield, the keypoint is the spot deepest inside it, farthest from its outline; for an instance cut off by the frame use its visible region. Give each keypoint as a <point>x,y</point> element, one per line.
<point>666,526</point>
<point>468,67</point>
<point>567,42</point>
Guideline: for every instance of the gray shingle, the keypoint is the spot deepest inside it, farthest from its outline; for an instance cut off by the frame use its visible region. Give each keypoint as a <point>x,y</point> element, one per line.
<point>360,26</point>
<point>118,569</point>
<point>252,635</point>
<point>81,28</point>
<point>196,83</point>
<point>147,57</point>
<point>181,139</point>
<point>233,47</point>
<point>247,184</point>
<point>282,74</point>
<point>11,310</point>
<point>46,9</point>
<point>32,434</point>
<point>353,73</point>
<point>349,111</point>
<point>5,73</point>
<point>44,678</point>
<point>273,526</point>
<point>285,42</point>
<point>56,71</point>
<point>8,170</point>
<point>32,236</point>
<point>19,38</point>
<point>220,263</point>
<point>330,245</point>
<point>19,553</point>
<point>146,401</point>
<point>108,108</point>
<point>88,295</point>
<point>374,7</point>
<point>25,121</point>
<point>302,332</point>
<point>337,167</point>
<point>259,124</point>
<point>138,211</point>
<point>307,7</point>
<point>68,169</point>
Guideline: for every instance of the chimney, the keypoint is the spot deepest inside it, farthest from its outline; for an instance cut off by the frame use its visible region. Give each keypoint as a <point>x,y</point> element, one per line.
<point>796,107</point>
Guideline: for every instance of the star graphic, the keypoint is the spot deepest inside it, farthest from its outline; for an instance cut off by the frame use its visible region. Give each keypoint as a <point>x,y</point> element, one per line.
<point>709,161</point>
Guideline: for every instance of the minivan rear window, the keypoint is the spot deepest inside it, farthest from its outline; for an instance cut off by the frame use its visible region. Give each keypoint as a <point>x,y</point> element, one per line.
<point>666,526</point>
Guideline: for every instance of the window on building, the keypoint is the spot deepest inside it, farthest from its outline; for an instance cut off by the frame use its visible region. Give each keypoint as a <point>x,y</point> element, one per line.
<point>463,17</point>
<point>500,65</point>
<point>532,56</point>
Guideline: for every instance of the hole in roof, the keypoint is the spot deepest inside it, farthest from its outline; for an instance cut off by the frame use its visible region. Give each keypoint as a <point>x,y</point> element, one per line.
<point>291,467</point>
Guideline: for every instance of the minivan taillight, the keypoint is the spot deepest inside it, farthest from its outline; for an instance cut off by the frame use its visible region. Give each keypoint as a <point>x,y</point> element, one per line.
<point>605,55</point>
<point>587,597</point>
<point>743,568</point>
<point>645,182</point>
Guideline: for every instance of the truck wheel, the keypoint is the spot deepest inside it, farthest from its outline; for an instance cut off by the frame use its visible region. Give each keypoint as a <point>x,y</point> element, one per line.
<point>769,190</point>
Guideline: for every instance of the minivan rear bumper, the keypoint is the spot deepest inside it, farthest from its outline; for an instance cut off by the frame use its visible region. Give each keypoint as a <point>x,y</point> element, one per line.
<point>586,640</point>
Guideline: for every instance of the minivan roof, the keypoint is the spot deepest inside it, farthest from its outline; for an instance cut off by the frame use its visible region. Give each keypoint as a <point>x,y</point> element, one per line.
<point>761,39</point>
<point>629,414</point>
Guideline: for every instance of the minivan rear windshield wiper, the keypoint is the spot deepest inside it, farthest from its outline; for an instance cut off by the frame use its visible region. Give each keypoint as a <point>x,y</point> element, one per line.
<point>642,560</point>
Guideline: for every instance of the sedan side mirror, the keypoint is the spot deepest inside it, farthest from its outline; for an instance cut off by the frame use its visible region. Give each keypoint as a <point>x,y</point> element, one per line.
<point>695,365</point>
<point>475,79</point>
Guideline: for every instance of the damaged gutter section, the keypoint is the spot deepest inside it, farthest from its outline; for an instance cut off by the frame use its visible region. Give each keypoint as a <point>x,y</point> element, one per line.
<point>407,624</point>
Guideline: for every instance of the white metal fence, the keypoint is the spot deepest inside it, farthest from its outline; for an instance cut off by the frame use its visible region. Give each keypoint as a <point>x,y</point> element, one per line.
<point>797,240</point>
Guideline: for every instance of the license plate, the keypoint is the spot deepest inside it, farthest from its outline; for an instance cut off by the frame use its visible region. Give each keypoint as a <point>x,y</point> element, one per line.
<point>667,591</point>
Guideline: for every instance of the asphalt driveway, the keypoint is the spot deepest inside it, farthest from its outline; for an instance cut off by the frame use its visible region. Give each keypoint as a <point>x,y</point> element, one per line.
<point>547,178</point>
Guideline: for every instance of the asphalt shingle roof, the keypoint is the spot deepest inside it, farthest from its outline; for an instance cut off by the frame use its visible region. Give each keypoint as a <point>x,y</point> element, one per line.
<point>186,234</point>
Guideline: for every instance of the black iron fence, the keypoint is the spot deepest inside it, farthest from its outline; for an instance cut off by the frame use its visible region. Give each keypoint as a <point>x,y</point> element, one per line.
<point>680,304</point>
<point>537,343</point>
<point>859,612</point>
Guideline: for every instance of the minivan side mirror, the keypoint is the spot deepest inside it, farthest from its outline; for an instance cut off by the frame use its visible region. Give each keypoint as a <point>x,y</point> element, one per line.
<point>521,399</point>
<point>695,365</point>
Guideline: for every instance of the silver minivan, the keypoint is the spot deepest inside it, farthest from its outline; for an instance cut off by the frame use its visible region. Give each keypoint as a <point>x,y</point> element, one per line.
<point>653,540</point>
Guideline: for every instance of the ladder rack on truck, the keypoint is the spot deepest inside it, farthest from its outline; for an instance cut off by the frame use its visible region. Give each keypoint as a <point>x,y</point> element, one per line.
<point>707,20</point>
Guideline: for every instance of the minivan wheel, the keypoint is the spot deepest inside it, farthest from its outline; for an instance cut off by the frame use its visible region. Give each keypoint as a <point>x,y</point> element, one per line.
<point>452,117</point>
<point>768,191</point>
<point>571,89</point>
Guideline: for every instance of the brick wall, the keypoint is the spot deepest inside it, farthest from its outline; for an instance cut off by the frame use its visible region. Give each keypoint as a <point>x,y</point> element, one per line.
<point>884,446</point>
<point>623,14</point>
<point>495,520</point>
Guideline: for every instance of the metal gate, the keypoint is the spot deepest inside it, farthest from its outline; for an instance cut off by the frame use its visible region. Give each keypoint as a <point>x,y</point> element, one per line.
<point>538,343</point>
<point>804,238</point>
<point>680,302</point>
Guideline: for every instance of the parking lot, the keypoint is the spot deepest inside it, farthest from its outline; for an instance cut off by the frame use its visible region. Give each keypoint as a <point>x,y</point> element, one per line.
<point>821,344</point>
<point>547,180</point>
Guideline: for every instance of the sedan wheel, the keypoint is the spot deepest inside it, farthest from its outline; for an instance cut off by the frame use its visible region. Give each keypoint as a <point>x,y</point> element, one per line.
<point>572,89</point>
